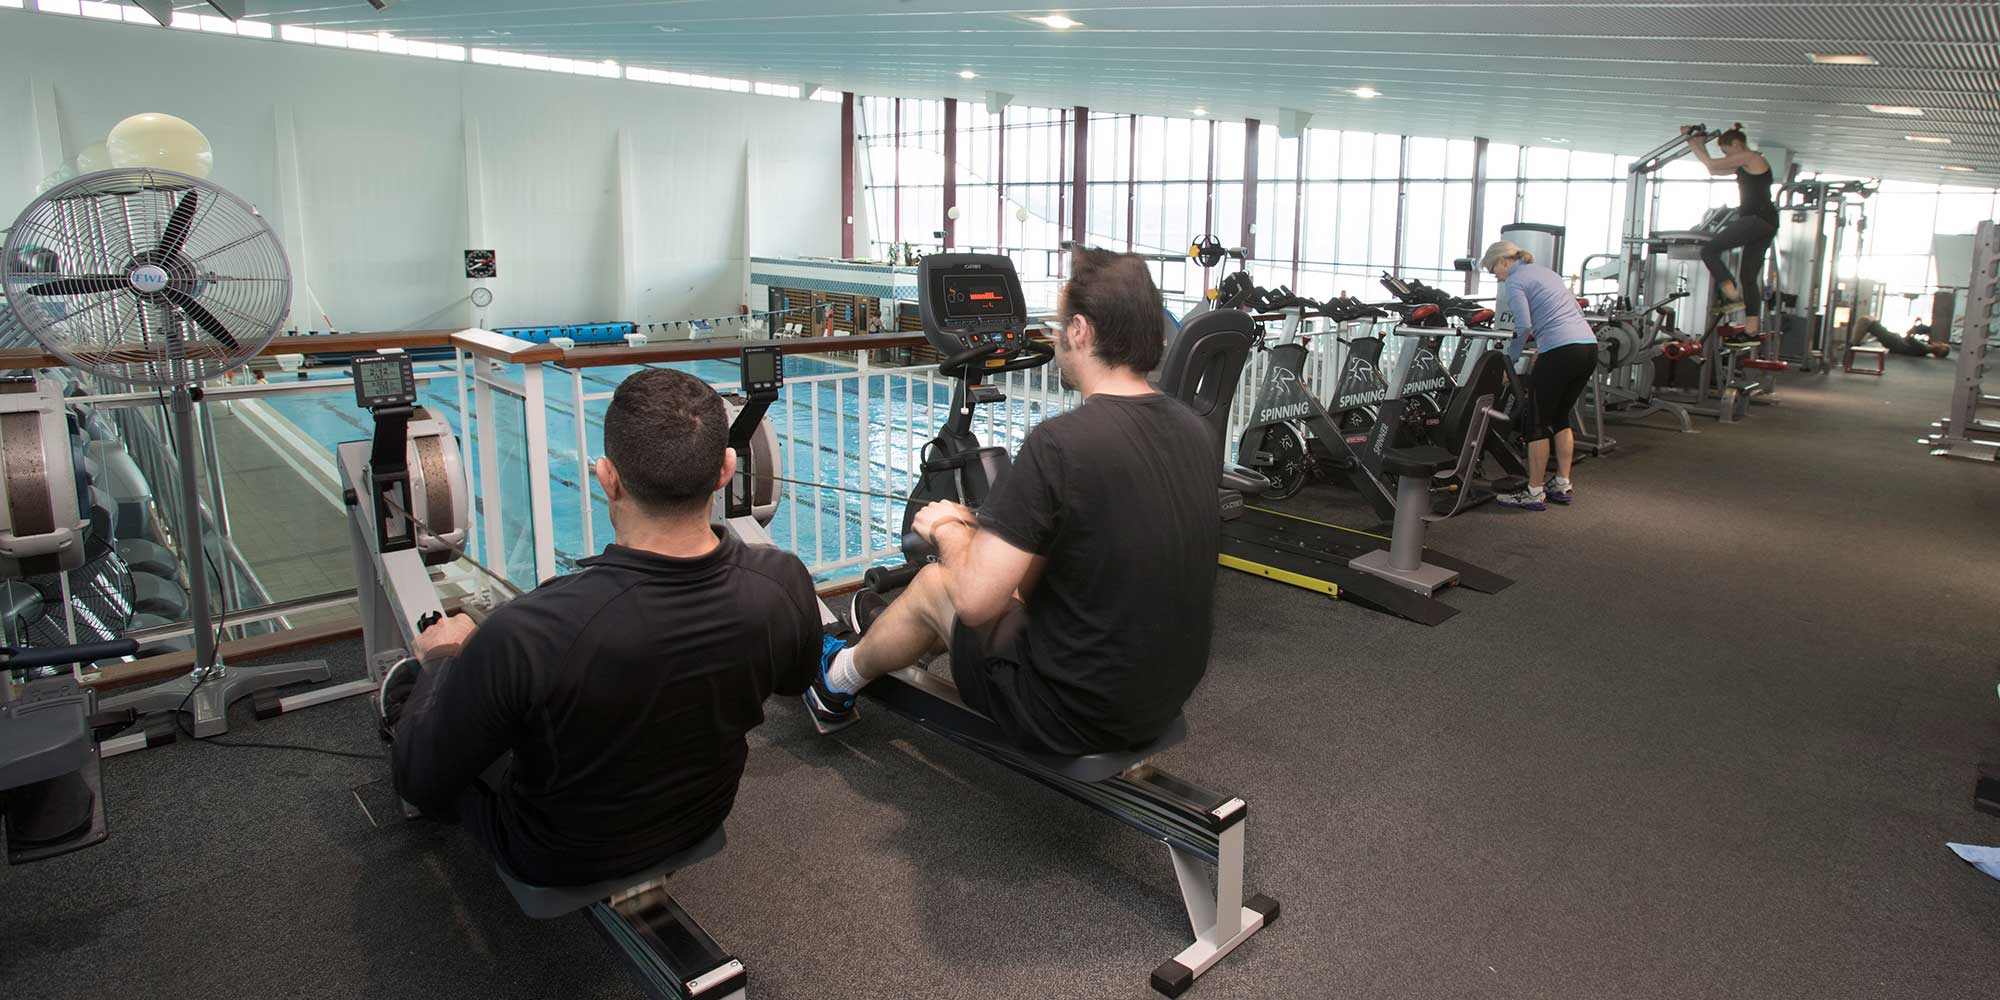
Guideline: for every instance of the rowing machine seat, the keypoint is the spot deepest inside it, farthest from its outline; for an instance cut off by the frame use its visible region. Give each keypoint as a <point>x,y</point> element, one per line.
<point>1097,767</point>
<point>547,902</point>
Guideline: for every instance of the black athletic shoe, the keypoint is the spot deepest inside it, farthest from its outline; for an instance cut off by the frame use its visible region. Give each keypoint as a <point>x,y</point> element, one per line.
<point>831,711</point>
<point>398,682</point>
<point>864,609</point>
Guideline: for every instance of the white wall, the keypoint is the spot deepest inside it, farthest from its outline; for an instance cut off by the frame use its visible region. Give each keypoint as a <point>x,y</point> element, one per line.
<point>606,199</point>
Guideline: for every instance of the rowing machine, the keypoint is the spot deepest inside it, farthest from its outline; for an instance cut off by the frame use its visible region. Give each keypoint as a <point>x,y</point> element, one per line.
<point>407,514</point>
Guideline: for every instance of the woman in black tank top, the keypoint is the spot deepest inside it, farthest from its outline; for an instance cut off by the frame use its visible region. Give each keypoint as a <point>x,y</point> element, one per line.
<point>1755,227</point>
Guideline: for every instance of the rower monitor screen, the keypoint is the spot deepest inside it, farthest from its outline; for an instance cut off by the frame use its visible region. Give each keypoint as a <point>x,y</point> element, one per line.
<point>384,380</point>
<point>760,368</point>
<point>977,296</point>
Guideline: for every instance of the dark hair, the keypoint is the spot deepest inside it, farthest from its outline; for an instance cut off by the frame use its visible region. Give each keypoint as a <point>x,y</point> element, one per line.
<point>1116,291</point>
<point>665,433</point>
<point>1734,135</point>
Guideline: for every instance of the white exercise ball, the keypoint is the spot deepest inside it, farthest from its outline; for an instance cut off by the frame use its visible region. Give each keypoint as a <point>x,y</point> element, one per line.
<point>163,141</point>
<point>92,158</point>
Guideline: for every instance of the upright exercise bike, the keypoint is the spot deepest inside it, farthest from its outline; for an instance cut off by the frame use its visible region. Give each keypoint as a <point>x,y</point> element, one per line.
<point>976,309</point>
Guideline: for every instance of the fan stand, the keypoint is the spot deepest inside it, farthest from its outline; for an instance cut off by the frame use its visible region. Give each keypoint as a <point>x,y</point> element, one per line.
<point>210,688</point>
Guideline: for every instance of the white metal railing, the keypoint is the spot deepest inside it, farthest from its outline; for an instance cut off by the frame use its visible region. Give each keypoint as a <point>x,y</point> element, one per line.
<point>851,430</point>
<point>850,443</point>
<point>850,436</point>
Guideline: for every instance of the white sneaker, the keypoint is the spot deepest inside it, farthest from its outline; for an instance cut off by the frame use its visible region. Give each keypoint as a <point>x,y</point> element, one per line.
<point>1561,491</point>
<point>1528,499</point>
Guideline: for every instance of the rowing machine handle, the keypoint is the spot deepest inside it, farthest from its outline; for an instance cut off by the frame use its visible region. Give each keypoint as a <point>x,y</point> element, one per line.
<point>57,656</point>
<point>883,579</point>
<point>427,619</point>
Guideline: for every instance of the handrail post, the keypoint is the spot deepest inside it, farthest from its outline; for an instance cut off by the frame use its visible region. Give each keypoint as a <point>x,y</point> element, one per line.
<point>583,463</point>
<point>489,469</point>
<point>541,507</point>
<point>465,364</point>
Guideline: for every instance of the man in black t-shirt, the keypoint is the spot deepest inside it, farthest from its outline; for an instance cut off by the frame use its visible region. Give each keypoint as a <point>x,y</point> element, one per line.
<point>624,690</point>
<point>1076,604</point>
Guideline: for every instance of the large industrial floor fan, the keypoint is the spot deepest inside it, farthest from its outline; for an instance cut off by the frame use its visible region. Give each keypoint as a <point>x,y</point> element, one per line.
<point>158,280</point>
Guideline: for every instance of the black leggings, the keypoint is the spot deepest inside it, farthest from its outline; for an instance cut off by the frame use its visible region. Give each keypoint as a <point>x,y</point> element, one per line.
<point>1555,384</point>
<point>1754,234</point>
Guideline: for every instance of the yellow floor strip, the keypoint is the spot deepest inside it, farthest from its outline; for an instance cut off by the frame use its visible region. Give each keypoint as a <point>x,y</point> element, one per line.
<point>1295,579</point>
<point>1317,524</point>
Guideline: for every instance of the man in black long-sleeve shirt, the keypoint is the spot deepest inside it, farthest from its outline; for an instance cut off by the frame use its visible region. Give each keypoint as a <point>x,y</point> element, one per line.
<point>623,690</point>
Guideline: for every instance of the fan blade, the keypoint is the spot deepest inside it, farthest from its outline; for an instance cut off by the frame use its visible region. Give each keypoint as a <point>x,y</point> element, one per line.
<point>202,317</point>
<point>82,284</point>
<point>177,226</point>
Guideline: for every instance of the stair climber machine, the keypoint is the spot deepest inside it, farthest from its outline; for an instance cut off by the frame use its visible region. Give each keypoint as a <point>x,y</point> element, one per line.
<point>1390,573</point>
<point>407,513</point>
<point>974,315</point>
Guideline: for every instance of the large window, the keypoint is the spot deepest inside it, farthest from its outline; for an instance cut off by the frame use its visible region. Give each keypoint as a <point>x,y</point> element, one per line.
<point>1896,249</point>
<point>1333,209</point>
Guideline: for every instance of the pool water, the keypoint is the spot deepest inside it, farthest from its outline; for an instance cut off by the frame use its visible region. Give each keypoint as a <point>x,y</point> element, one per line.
<point>825,409</point>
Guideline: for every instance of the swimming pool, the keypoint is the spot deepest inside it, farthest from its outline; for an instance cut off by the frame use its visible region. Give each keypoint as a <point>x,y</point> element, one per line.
<point>838,426</point>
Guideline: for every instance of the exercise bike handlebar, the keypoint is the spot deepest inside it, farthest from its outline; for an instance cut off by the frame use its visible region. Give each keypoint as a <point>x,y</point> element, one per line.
<point>1034,354</point>
<point>57,656</point>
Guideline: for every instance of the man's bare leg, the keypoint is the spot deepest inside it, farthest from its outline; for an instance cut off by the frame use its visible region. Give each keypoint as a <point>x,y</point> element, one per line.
<point>916,624</point>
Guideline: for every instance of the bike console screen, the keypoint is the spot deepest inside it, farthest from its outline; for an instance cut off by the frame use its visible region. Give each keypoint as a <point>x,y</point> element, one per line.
<point>971,296</point>
<point>970,299</point>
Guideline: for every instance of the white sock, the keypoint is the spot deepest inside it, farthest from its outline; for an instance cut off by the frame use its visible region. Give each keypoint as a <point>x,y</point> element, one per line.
<point>842,677</point>
<point>1559,483</point>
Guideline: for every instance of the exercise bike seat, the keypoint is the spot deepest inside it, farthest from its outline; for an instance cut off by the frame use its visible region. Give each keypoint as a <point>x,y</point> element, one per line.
<point>1092,768</point>
<point>547,902</point>
<point>1421,460</point>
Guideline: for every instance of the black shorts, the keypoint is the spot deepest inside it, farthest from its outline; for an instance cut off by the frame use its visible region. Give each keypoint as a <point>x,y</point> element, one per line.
<point>992,666</point>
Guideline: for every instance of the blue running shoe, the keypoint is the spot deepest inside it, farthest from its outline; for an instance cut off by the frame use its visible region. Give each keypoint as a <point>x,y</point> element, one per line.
<point>1528,499</point>
<point>831,711</point>
<point>1562,491</point>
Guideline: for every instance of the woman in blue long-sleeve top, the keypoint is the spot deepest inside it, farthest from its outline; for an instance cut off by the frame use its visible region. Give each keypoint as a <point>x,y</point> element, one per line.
<point>1565,360</point>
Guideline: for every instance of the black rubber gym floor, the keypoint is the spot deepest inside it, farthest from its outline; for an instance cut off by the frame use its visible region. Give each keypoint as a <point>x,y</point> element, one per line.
<point>1711,744</point>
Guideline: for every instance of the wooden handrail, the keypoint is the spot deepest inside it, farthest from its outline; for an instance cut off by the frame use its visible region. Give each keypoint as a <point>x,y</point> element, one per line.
<point>487,344</point>
<point>706,350</point>
<point>166,666</point>
<point>324,343</point>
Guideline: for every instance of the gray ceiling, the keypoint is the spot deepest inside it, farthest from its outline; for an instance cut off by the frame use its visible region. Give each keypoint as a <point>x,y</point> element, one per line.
<point>1612,76</point>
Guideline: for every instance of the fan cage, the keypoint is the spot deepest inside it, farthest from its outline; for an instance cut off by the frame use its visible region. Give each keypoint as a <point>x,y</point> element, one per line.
<point>146,277</point>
